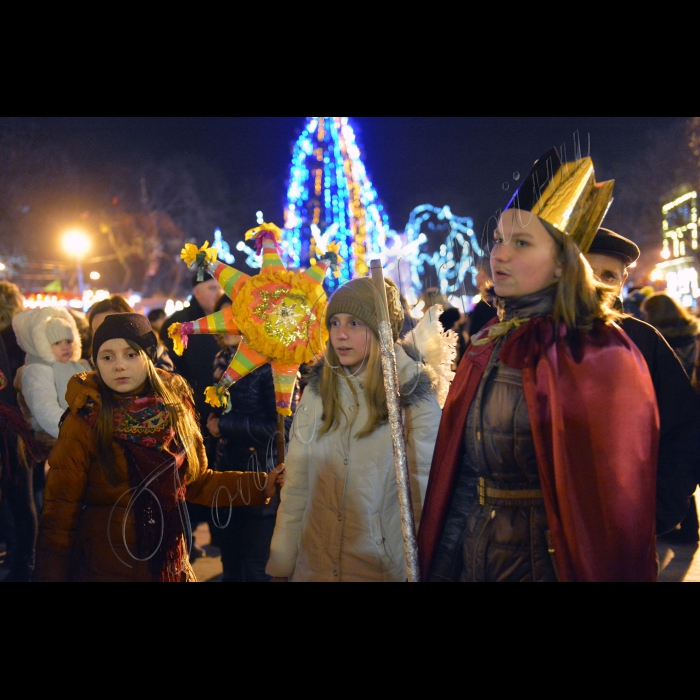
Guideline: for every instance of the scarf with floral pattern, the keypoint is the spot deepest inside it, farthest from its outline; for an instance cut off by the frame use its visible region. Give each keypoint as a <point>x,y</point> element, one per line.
<point>143,430</point>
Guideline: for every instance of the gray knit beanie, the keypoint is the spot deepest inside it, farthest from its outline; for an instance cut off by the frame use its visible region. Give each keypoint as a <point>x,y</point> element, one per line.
<point>58,329</point>
<point>357,298</point>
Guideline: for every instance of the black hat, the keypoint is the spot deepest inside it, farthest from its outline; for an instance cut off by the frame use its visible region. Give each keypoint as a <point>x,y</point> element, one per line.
<point>135,327</point>
<point>205,278</point>
<point>608,242</point>
<point>449,317</point>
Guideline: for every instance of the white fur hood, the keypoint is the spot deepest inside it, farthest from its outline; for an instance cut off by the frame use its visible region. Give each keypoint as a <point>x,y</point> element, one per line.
<point>30,329</point>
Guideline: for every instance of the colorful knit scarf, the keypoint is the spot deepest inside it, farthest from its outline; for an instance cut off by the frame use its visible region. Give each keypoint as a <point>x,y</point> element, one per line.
<point>143,430</point>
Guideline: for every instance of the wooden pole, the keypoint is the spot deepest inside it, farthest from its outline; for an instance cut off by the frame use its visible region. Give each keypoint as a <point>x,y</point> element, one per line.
<point>280,444</point>
<point>391,386</point>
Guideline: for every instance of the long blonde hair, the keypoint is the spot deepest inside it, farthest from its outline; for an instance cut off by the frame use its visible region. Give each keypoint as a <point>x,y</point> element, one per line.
<point>179,402</point>
<point>332,375</point>
<point>580,298</point>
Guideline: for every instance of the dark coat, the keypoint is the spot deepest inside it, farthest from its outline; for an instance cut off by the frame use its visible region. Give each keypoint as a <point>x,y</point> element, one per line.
<point>248,430</point>
<point>196,363</point>
<point>679,414</point>
<point>479,316</point>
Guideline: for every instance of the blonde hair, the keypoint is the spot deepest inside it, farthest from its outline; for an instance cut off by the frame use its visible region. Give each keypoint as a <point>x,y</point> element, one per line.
<point>580,299</point>
<point>373,381</point>
<point>179,402</point>
<point>11,303</point>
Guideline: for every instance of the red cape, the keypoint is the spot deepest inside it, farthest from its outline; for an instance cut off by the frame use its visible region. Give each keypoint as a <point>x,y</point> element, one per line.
<point>595,427</point>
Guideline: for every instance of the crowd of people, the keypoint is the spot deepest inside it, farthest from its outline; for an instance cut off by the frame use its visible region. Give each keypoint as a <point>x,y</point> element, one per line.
<point>567,444</point>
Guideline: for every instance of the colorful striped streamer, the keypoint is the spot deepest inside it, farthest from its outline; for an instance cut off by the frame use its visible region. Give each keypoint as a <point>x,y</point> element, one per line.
<point>244,362</point>
<point>271,256</point>
<point>230,279</point>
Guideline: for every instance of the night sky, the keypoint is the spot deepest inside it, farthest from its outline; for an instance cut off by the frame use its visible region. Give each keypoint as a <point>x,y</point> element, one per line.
<point>463,162</point>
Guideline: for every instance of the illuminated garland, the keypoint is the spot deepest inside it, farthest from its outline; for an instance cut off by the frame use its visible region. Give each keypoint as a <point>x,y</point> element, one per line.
<point>454,246</point>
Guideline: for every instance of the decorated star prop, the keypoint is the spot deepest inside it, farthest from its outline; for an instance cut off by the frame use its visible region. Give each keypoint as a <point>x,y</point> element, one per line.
<point>279,315</point>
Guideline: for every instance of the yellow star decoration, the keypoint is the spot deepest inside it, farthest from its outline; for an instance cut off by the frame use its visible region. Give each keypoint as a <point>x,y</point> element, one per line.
<point>287,315</point>
<point>279,314</point>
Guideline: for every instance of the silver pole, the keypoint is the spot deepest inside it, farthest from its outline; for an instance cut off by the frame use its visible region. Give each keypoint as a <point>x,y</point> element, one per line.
<point>391,386</point>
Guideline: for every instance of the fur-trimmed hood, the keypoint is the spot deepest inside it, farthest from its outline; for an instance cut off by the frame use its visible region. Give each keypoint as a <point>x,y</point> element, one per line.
<point>30,329</point>
<point>418,388</point>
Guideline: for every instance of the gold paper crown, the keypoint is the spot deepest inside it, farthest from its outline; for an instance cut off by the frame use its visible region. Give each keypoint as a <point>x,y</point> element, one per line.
<point>566,196</point>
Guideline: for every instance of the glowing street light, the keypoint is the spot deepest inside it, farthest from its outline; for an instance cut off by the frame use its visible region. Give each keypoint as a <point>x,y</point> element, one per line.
<point>77,243</point>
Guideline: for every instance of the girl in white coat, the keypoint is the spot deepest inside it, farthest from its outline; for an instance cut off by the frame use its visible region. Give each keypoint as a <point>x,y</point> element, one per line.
<point>339,516</point>
<point>51,340</point>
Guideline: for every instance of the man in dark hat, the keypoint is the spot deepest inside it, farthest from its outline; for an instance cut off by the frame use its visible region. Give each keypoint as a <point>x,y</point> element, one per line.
<point>679,405</point>
<point>197,366</point>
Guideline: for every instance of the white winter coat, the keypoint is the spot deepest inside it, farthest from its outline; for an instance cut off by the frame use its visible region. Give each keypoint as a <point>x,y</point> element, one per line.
<point>339,517</point>
<point>42,381</point>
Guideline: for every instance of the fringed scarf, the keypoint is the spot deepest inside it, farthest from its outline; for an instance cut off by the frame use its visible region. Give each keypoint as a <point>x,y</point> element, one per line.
<point>157,479</point>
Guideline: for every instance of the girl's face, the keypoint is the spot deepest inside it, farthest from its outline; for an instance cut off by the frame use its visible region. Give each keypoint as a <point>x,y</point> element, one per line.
<point>351,339</point>
<point>524,257</point>
<point>63,350</point>
<point>122,368</point>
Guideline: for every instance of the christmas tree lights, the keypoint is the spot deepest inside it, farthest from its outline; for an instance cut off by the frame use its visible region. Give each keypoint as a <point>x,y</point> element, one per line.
<point>328,189</point>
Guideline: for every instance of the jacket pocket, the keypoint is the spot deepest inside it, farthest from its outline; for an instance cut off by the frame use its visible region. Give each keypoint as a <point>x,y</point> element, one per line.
<point>380,543</point>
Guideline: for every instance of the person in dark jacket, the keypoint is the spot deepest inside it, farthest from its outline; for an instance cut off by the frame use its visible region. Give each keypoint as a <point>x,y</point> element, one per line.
<point>11,303</point>
<point>679,407</point>
<point>18,456</point>
<point>21,472</point>
<point>679,326</point>
<point>246,440</point>
<point>482,312</point>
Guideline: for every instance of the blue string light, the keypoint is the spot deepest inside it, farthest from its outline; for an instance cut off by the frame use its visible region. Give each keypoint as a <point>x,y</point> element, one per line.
<point>452,242</point>
<point>224,250</point>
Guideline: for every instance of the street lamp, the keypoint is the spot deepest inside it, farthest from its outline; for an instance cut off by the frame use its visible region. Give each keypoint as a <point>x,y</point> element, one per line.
<point>77,243</point>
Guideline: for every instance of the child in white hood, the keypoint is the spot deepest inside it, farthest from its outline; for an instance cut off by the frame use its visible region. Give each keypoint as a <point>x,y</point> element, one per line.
<point>51,340</point>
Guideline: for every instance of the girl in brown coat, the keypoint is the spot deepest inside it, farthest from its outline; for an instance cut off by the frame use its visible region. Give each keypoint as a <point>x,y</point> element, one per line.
<point>128,454</point>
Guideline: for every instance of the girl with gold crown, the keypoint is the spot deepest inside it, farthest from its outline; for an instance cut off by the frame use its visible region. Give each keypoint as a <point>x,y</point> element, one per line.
<point>545,463</point>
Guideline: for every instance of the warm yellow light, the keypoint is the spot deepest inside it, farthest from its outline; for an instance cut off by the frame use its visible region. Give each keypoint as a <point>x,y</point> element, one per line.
<point>94,275</point>
<point>76,242</point>
<point>665,253</point>
<point>676,202</point>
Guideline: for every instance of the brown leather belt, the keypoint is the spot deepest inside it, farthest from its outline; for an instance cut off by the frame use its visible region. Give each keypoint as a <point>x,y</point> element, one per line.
<point>488,495</point>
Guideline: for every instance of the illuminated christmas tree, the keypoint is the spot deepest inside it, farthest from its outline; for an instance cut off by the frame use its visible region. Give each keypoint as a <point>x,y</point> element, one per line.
<point>331,199</point>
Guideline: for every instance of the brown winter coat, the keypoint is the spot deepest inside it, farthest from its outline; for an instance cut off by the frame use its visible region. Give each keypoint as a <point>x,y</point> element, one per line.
<point>80,533</point>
